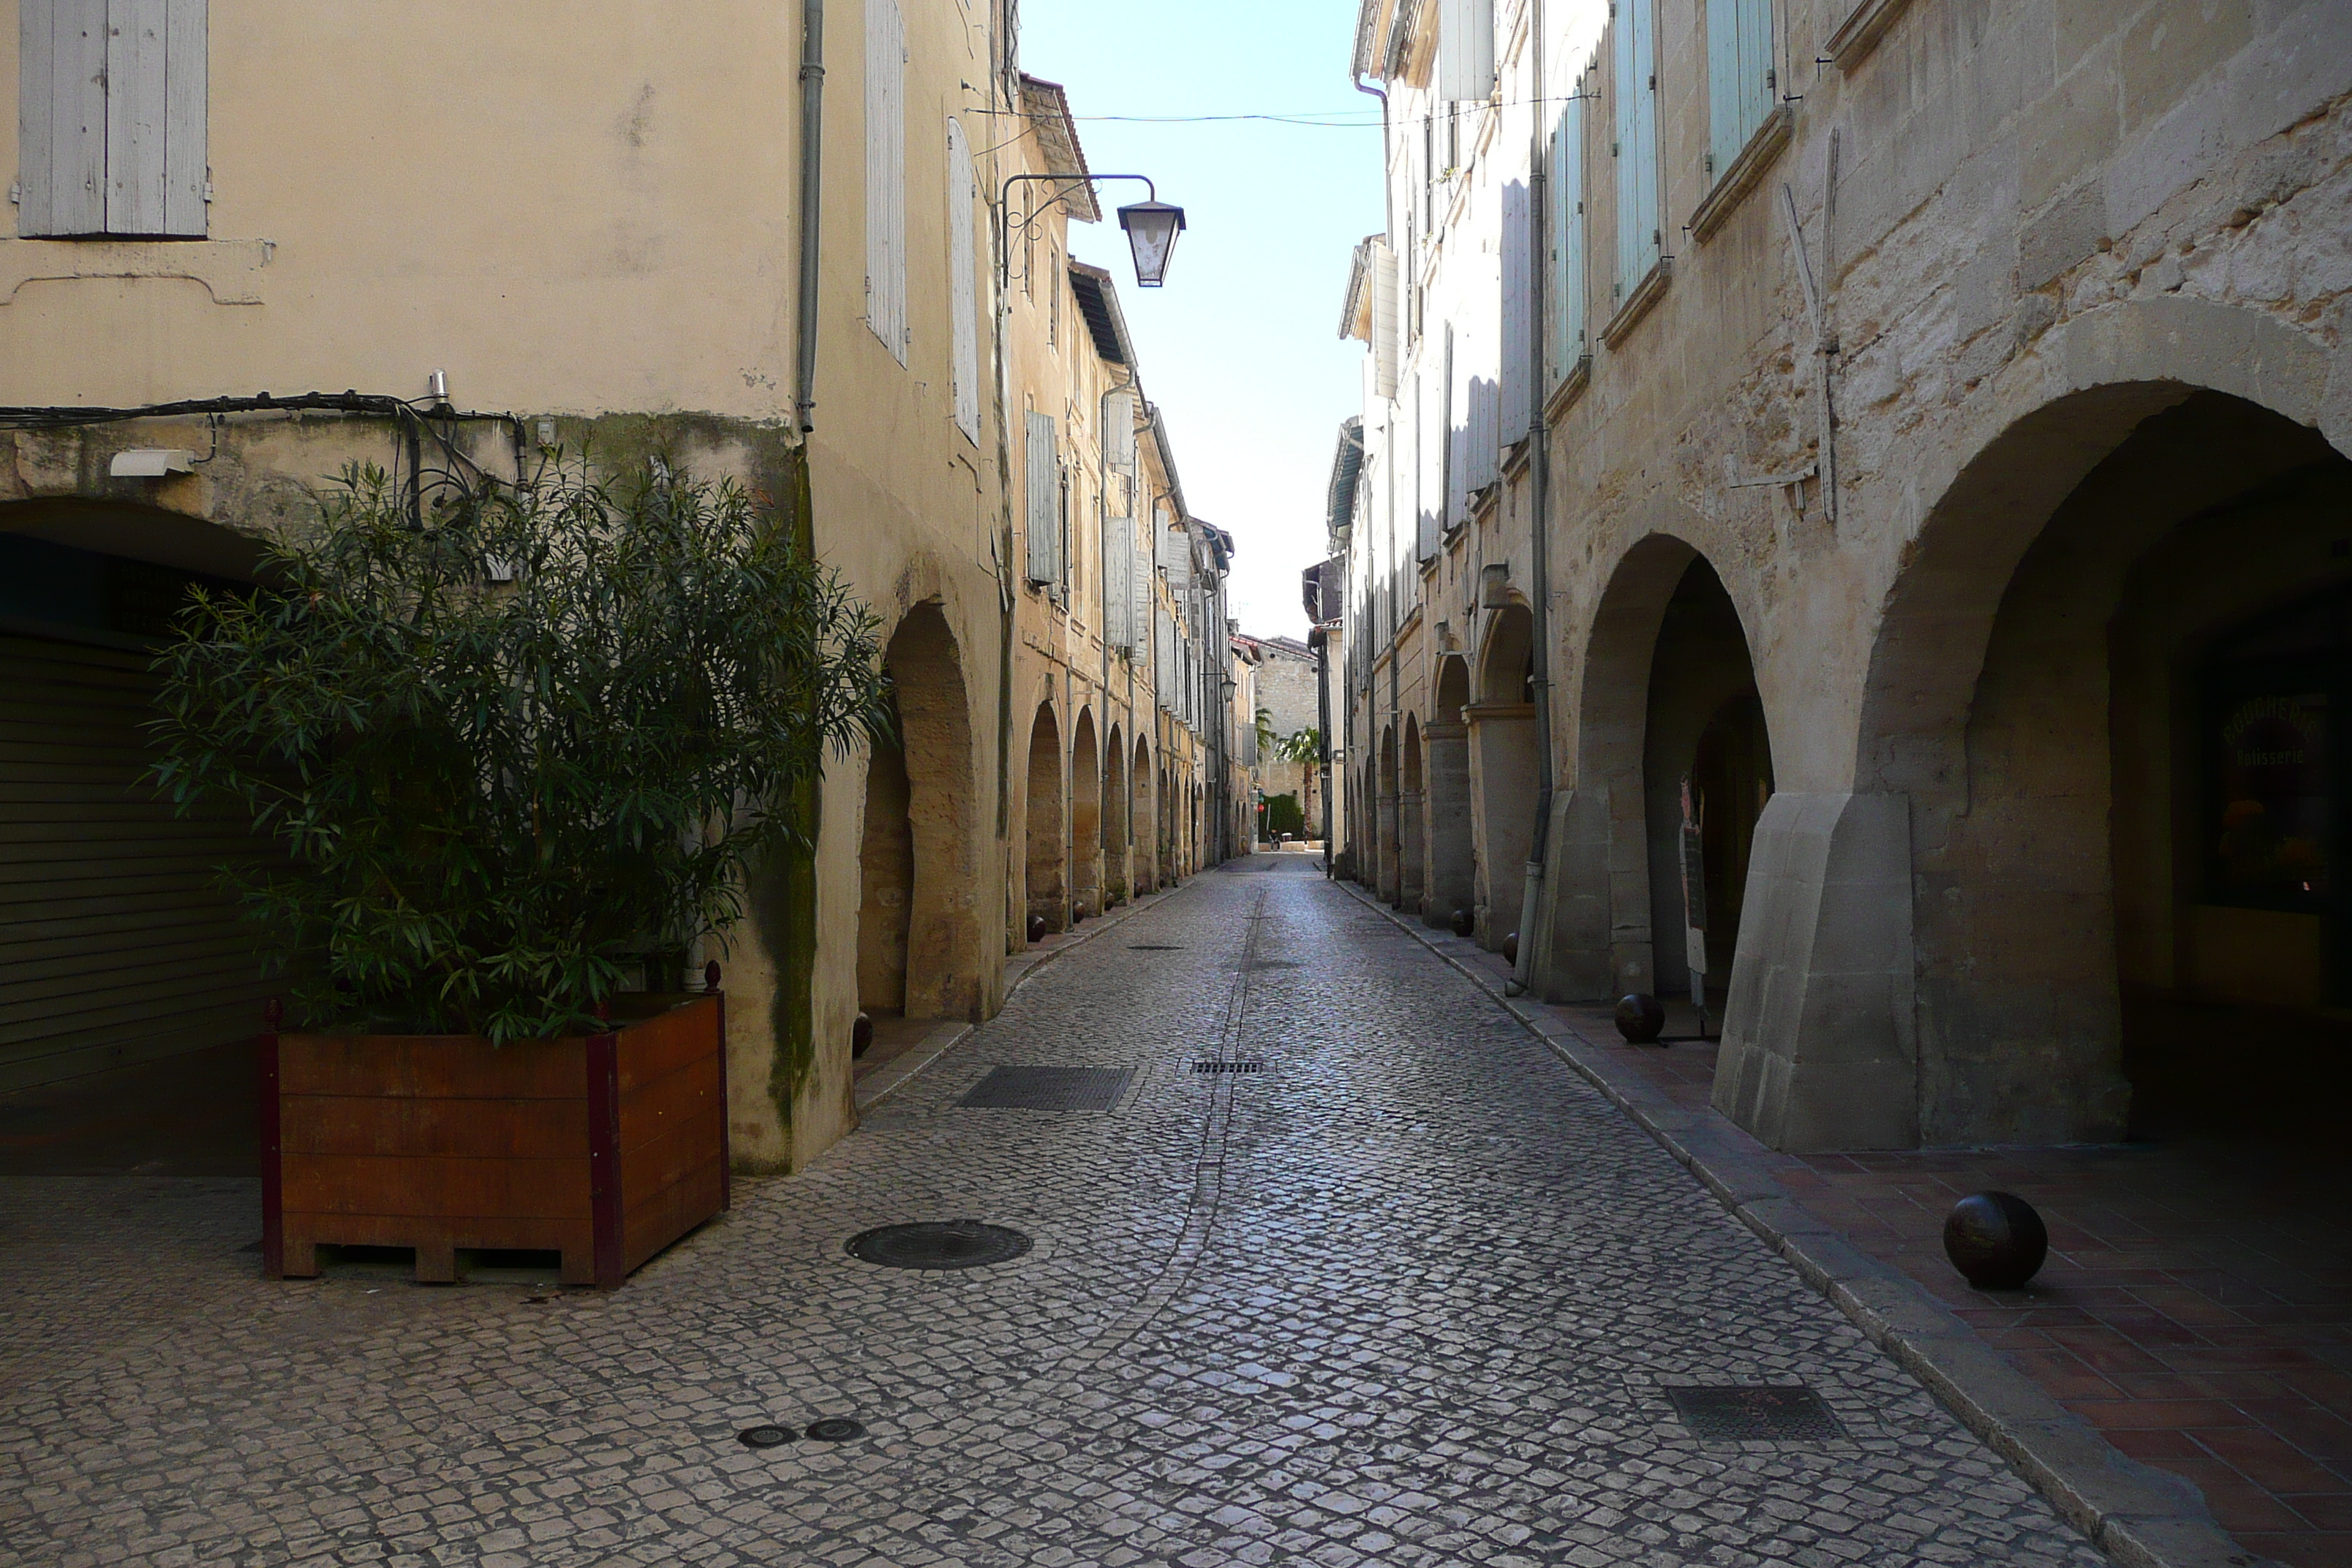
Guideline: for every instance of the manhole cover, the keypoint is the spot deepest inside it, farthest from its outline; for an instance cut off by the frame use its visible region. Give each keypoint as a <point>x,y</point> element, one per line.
<point>1751,1414</point>
<point>938,1243</point>
<point>764,1436</point>
<point>836,1428</point>
<point>1048,1089</point>
<point>1228,1066</point>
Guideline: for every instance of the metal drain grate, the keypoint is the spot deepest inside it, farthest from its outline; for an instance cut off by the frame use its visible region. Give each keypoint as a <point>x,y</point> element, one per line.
<point>1048,1089</point>
<point>1228,1066</point>
<point>937,1245</point>
<point>1747,1414</point>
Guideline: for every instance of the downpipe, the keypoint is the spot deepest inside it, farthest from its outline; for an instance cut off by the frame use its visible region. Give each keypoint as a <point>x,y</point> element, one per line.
<point>812,188</point>
<point>1539,487</point>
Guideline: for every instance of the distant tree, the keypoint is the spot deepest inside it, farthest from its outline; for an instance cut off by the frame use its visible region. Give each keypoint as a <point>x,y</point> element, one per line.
<point>1304,747</point>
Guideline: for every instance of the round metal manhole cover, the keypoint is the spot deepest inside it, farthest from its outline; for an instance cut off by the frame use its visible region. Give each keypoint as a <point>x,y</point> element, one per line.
<point>764,1436</point>
<point>834,1429</point>
<point>937,1245</point>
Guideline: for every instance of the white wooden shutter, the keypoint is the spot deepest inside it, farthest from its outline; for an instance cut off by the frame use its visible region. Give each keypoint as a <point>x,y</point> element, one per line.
<point>1118,433</point>
<point>1385,338</point>
<point>1140,599</point>
<point>1518,334</point>
<point>885,175</point>
<point>1634,100</point>
<point>963,303</point>
<point>111,117</point>
<point>1465,50</point>
<point>1115,595</point>
<point>1043,512</point>
<point>1565,192</point>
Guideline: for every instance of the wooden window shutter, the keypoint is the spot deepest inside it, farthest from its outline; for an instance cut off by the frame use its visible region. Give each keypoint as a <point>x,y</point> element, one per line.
<point>885,175</point>
<point>1634,98</point>
<point>1386,329</point>
<point>1566,192</point>
<point>1114,598</point>
<point>1518,336</point>
<point>1465,50</point>
<point>963,301</point>
<point>111,105</point>
<point>1139,596</point>
<point>1739,75</point>
<point>1043,512</point>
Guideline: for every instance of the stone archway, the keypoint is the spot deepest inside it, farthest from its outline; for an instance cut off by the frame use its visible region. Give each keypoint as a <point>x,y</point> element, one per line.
<point>1143,816</point>
<point>1117,863</point>
<point>1452,881</point>
<point>1412,846</point>
<point>919,943</point>
<point>1501,724</point>
<point>1047,853</point>
<point>2028,848</point>
<point>1086,820</point>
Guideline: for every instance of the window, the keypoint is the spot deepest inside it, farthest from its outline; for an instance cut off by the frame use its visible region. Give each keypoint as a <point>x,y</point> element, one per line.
<point>112,100</point>
<point>964,302</point>
<point>1043,515</point>
<point>1634,101</point>
<point>1566,194</point>
<point>1739,78</point>
<point>885,175</point>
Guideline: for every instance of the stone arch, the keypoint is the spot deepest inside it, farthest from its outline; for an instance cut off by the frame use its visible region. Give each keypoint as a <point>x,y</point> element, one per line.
<point>1452,880</point>
<point>1086,820</point>
<point>1412,847</point>
<point>918,937</point>
<point>1117,842</point>
<point>1385,805</point>
<point>1501,729</point>
<point>2009,858</point>
<point>1047,842</point>
<point>1143,819</point>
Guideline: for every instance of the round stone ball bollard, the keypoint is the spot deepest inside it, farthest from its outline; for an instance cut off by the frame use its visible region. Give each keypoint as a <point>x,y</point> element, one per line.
<point>1036,927</point>
<point>1640,1018</point>
<point>1996,1240</point>
<point>1511,948</point>
<point>861,1035</point>
<point>1464,922</point>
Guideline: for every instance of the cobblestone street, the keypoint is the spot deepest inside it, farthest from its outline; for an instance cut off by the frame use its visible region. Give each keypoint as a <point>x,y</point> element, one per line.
<point>1413,1294</point>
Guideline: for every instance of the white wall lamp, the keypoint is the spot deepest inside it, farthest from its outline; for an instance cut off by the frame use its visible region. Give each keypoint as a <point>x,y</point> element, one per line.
<point>152,462</point>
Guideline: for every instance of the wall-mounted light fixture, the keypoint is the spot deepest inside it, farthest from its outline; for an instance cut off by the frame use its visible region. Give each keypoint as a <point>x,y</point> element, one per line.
<point>152,462</point>
<point>1151,226</point>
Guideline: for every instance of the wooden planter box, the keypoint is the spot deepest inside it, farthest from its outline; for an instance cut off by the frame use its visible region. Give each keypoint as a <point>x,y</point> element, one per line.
<point>606,1147</point>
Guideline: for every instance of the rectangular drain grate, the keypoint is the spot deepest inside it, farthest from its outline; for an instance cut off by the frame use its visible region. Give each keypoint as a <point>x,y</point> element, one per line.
<point>1048,1089</point>
<point>1747,1414</point>
<point>1228,1066</point>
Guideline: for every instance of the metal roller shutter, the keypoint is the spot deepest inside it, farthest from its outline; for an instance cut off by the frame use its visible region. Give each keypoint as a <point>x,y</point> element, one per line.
<point>117,944</point>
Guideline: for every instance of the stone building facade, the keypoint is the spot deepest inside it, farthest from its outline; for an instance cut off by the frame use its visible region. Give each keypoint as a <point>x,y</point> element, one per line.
<point>1897,451</point>
<point>504,240</point>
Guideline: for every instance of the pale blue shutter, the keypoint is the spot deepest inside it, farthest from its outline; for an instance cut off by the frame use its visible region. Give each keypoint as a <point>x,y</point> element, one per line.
<point>1739,75</point>
<point>1043,512</point>
<point>1519,338</point>
<point>963,303</point>
<point>1634,100</point>
<point>1566,194</point>
<point>1465,50</point>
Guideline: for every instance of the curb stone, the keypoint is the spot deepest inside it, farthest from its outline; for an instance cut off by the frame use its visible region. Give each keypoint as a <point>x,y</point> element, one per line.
<point>952,1032</point>
<point>2141,1517</point>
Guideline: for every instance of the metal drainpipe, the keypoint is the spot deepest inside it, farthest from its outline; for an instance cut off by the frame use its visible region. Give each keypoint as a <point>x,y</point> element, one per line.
<point>812,187</point>
<point>1539,487</point>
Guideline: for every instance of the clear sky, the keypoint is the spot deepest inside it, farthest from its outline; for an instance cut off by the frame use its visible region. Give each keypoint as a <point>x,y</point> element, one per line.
<point>1241,350</point>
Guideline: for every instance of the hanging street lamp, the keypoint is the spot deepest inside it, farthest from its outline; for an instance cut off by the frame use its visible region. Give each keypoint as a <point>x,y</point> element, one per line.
<point>1151,230</point>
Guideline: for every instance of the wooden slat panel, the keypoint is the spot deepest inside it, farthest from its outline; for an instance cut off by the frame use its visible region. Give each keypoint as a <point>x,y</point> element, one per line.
<point>689,1096</point>
<point>134,116</point>
<point>660,1217</point>
<point>527,1234</point>
<point>660,1046</point>
<point>436,1185</point>
<point>185,141</point>
<point>88,1006</point>
<point>474,1129</point>
<point>63,117</point>
<point>453,1066</point>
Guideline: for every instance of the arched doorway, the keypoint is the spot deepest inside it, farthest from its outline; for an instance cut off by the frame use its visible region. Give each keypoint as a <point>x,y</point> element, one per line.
<point>918,927</point>
<point>1391,863</point>
<point>1453,873</point>
<point>1085,820</point>
<point>1703,730</point>
<point>1501,725</point>
<point>1142,800</point>
<point>1048,848</point>
<point>1117,868</point>
<point>1412,850</point>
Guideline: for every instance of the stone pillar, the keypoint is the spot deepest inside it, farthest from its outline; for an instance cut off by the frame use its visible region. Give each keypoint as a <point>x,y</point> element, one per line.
<point>1503,803</point>
<point>1451,884</point>
<point>1390,879</point>
<point>1820,1040</point>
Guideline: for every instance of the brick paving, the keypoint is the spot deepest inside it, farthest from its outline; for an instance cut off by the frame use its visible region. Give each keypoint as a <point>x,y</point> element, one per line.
<point>1415,1295</point>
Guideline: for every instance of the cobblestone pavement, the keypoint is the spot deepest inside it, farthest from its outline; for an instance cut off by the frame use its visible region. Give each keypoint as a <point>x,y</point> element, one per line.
<point>1413,1295</point>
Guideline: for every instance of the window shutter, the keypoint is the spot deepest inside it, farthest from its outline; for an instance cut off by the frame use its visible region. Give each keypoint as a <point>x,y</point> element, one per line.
<point>1139,596</point>
<point>1634,100</point>
<point>885,175</point>
<point>1517,336</point>
<point>963,304</point>
<point>1465,50</point>
<point>1385,326</point>
<point>1119,434</point>
<point>1738,75</point>
<point>1566,191</point>
<point>1117,560</point>
<point>61,120</point>
<point>110,117</point>
<point>1044,509</point>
